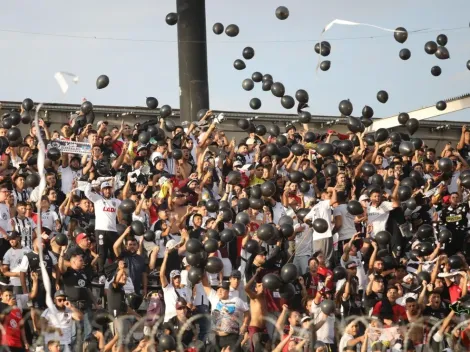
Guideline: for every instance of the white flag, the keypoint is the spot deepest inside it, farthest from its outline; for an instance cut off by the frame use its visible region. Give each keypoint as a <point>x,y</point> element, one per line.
<point>60,78</point>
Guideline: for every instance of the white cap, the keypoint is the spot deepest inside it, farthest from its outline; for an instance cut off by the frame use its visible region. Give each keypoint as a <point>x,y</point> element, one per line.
<point>171,244</point>
<point>106,184</point>
<point>363,197</point>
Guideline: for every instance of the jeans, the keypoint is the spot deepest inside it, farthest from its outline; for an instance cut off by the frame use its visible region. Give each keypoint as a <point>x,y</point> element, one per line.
<point>326,246</point>
<point>301,262</point>
<point>203,322</point>
<point>82,329</point>
<point>105,241</point>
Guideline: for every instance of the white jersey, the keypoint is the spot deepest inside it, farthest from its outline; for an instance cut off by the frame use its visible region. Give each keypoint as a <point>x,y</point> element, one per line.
<point>348,229</point>
<point>105,210</point>
<point>378,216</point>
<point>13,258</point>
<point>322,210</point>
<point>48,219</point>
<point>63,321</point>
<point>5,217</point>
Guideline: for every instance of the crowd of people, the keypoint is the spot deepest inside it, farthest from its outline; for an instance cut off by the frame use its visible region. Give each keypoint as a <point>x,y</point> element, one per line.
<point>159,237</point>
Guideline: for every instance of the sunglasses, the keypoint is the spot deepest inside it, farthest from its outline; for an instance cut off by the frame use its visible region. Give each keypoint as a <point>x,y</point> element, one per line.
<point>60,299</point>
<point>181,308</point>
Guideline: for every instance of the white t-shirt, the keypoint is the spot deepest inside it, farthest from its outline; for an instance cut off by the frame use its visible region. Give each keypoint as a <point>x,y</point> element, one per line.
<point>304,241</point>
<point>48,219</point>
<point>5,217</point>
<point>227,314</point>
<point>128,286</point>
<point>344,341</point>
<point>67,177</point>
<point>278,211</point>
<point>378,216</point>
<point>170,297</point>
<point>326,333</point>
<point>361,273</point>
<point>348,229</point>
<point>105,210</point>
<point>13,258</point>
<point>321,210</point>
<point>63,321</point>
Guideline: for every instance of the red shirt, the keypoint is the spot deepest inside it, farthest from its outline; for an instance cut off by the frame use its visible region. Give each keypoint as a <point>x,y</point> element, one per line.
<point>454,292</point>
<point>313,287</point>
<point>12,331</point>
<point>399,312</point>
<point>324,272</point>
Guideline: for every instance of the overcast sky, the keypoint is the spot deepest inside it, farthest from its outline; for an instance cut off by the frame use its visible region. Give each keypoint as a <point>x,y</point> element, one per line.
<point>360,67</point>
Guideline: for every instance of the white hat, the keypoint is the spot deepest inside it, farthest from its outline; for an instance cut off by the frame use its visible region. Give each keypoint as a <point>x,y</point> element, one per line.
<point>171,244</point>
<point>106,184</point>
<point>363,197</point>
<point>174,273</point>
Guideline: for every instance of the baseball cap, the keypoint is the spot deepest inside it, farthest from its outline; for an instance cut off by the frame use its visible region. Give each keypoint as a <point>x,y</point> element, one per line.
<point>142,147</point>
<point>80,237</point>
<point>106,185</point>
<point>236,274</point>
<point>350,264</point>
<point>225,285</point>
<point>238,163</point>
<point>174,273</point>
<point>305,318</point>
<point>60,293</point>
<point>171,244</point>
<point>181,303</point>
<point>363,197</point>
<point>13,234</point>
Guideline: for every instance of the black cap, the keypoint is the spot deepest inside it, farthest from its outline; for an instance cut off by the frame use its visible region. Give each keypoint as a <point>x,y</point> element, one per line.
<point>225,285</point>
<point>13,234</point>
<point>236,274</point>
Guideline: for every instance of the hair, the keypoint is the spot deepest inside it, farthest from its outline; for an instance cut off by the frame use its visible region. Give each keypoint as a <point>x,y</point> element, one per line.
<point>410,300</point>
<point>44,198</point>
<point>20,203</point>
<point>432,150</point>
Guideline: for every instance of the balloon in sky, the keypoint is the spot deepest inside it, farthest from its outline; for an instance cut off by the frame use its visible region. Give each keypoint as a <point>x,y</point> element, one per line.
<point>102,82</point>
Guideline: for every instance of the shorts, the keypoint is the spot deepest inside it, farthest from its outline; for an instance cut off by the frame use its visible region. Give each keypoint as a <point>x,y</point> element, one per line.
<point>39,302</point>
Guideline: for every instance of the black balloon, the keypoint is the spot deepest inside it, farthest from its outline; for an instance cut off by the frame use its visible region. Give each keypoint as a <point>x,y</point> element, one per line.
<point>144,137</point>
<point>425,231</point>
<point>15,118</point>
<point>32,180</point>
<point>218,28</point>
<point>242,218</point>
<point>400,34</point>
<point>355,208</point>
<point>441,39</point>
<point>27,104</point>
<point>325,49</point>
<point>149,236</point>
<point>381,135</point>
<point>272,149</point>
<point>395,137</point>
<point>266,85</point>
<point>442,53</point>
<point>406,148</point>
<point>368,169</point>
<point>52,153</point>
<point>417,142</point>
<point>339,273</point>
<point>302,96</point>
<point>366,121</point>
<point>403,118</point>
<point>411,204</point>
<point>256,203</point>
<point>320,225</point>
<point>345,107</point>
<point>234,178</point>
<point>331,170</point>
<point>214,265</point>
<point>127,206</point>
<point>287,291</point>
<point>405,54</point>
<point>248,53</point>
<point>257,77</point>
<point>137,228</point>
<point>232,30</point>
<point>327,306</point>
<point>265,232</point>
<point>268,189</point>
<point>355,125</point>
<point>305,117</point>
<point>239,64</point>
<point>271,281</point>
<point>152,103</point>
<point>243,124</point>
<point>325,149</point>
<point>297,149</point>
<point>430,47</point>
<point>436,71</point>
<point>260,130</point>
<point>367,112</point>
<point>171,19</point>
<point>441,105</point>
<point>167,343</point>
<point>278,89</point>
<point>86,107</point>
<point>282,12</point>
<point>102,82</point>
<point>289,272</point>
<point>445,164</point>
<point>295,176</point>
<point>268,77</point>
<point>248,84</point>
<point>325,65</point>
<point>227,235</point>
<point>240,229</point>
<point>165,111</point>
<point>445,236</point>
<point>383,237</point>
<point>255,103</point>
<point>382,96</point>
<point>287,102</point>
<point>195,275</point>
<point>404,193</point>
<point>412,125</point>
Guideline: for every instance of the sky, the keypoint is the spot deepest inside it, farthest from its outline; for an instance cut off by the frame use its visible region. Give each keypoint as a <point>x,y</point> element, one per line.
<point>364,60</point>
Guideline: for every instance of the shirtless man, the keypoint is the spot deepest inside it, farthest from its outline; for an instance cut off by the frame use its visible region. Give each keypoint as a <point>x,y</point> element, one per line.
<point>259,338</point>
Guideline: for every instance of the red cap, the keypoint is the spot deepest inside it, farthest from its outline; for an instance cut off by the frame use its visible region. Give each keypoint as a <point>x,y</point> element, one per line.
<point>80,237</point>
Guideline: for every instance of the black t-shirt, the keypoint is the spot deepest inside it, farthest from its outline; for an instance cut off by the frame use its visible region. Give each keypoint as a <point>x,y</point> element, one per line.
<point>86,255</point>
<point>116,301</point>
<point>465,151</point>
<point>188,334</point>
<point>195,233</point>
<point>82,217</point>
<point>75,285</point>
<point>370,300</point>
<point>439,313</point>
<point>136,265</point>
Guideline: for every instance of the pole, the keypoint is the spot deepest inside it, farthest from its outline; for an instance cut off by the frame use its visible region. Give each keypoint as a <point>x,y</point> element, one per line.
<point>192,58</point>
